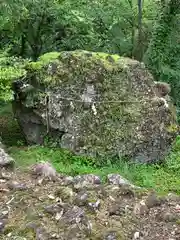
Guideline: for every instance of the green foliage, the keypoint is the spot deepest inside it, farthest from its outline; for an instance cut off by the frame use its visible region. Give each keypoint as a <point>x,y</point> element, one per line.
<point>11,68</point>
<point>162,178</point>
<point>173,161</point>
<point>162,56</point>
<point>33,27</point>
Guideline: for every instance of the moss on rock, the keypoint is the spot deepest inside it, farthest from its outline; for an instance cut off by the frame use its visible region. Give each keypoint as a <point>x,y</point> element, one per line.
<point>96,104</point>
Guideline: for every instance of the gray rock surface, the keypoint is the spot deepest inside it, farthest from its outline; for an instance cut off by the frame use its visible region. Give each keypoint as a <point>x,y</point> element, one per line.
<point>95,104</point>
<point>5,159</point>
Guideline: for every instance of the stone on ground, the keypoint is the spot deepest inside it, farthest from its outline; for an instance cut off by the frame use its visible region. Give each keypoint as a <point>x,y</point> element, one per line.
<point>5,159</point>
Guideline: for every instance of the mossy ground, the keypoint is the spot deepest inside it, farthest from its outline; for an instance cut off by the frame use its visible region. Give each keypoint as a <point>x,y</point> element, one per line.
<point>163,178</point>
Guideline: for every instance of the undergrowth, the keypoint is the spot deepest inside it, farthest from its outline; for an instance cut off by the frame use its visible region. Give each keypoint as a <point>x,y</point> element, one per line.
<point>163,178</point>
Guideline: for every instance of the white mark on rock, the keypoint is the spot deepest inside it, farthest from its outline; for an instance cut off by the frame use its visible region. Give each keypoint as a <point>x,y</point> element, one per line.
<point>88,94</point>
<point>71,105</point>
<point>136,235</point>
<point>165,102</point>
<point>94,109</point>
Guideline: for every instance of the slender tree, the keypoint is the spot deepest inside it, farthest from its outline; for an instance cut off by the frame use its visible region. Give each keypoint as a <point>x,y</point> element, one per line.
<point>154,56</point>
<point>139,54</point>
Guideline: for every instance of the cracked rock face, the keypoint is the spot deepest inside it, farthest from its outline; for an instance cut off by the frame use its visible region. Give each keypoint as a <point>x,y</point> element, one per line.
<point>94,104</point>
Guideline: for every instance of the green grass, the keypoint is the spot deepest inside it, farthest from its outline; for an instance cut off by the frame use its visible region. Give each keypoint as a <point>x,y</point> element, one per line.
<point>163,178</point>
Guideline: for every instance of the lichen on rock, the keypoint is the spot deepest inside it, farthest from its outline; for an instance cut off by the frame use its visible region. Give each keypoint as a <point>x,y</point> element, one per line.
<point>94,104</point>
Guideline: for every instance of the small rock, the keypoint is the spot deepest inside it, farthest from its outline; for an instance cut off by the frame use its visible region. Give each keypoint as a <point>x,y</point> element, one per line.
<point>136,235</point>
<point>59,215</point>
<point>152,200</point>
<point>177,208</point>
<point>111,236</point>
<point>65,193</point>
<point>32,225</point>
<point>81,199</point>
<point>2,180</point>
<point>116,209</point>
<point>3,189</point>
<point>40,181</point>
<point>140,208</point>
<point>116,191</point>
<point>72,214</point>
<point>41,234</point>
<point>173,197</point>
<point>112,199</point>
<point>44,169</point>
<point>94,205</point>
<point>2,225</point>
<point>101,192</point>
<point>5,176</point>
<point>77,187</point>
<point>4,214</point>
<point>84,224</point>
<point>88,178</point>
<point>51,197</point>
<point>67,180</point>
<point>168,217</point>
<point>55,236</point>
<point>15,237</point>
<point>17,186</point>
<point>54,208</point>
<point>117,179</point>
<point>127,191</point>
<point>5,160</point>
<point>112,191</point>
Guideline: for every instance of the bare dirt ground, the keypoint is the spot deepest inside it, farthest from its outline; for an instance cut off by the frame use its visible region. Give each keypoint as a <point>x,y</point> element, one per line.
<point>68,209</point>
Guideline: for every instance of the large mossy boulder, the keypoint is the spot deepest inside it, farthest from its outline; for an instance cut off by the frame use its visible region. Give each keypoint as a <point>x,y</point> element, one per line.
<point>94,104</point>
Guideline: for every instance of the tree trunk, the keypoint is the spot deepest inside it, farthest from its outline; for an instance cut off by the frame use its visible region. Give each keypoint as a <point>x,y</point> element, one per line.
<point>155,52</point>
<point>23,45</point>
<point>132,22</point>
<point>139,48</point>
